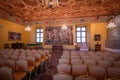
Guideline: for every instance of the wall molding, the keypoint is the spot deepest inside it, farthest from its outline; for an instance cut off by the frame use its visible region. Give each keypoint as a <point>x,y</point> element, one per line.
<point>112,50</point>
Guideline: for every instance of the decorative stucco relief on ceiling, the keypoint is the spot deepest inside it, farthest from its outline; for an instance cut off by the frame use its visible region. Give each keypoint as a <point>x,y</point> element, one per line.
<point>34,10</point>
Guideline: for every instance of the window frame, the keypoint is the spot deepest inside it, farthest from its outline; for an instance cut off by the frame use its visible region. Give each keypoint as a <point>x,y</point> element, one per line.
<point>40,37</point>
<point>80,31</point>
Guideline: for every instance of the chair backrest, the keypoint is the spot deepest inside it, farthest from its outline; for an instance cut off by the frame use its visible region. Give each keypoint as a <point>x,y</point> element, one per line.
<point>104,63</point>
<point>64,61</point>
<point>90,62</point>
<point>116,63</point>
<point>37,57</point>
<point>78,70</point>
<point>2,62</point>
<point>31,61</point>
<point>75,57</point>
<point>76,61</point>
<point>62,76</point>
<point>85,77</point>
<point>64,68</point>
<point>22,57</point>
<point>22,65</point>
<point>113,72</point>
<point>112,59</point>
<point>10,63</point>
<point>97,72</point>
<point>14,57</point>
<point>6,73</point>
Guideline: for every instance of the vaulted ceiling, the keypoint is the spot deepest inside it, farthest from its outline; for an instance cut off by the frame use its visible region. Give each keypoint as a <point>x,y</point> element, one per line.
<point>34,10</point>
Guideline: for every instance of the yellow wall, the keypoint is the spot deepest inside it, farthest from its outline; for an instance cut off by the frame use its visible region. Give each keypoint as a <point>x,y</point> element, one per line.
<point>92,29</point>
<point>30,37</point>
<point>98,28</point>
<point>12,27</point>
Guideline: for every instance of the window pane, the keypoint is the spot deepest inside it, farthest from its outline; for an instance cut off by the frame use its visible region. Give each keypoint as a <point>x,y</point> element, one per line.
<point>38,30</point>
<point>83,34</point>
<point>38,35</point>
<point>41,30</point>
<point>78,34</point>
<point>38,39</point>
<point>83,40</point>
<point>78,40</point>
<point>41,35</point>
<point>41,40</point>
<point>83,29</point>
<point>78,29</point>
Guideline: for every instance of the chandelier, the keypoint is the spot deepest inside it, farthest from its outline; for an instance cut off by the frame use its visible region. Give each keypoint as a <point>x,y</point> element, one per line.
<point>64,27</point>
<point>50,3</point>
<point>111,25</point>
<point>27,28</point>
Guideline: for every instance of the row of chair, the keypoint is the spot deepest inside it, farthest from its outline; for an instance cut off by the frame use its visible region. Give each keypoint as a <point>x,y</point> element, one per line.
<point>30,62</point>
<point>80,63</point>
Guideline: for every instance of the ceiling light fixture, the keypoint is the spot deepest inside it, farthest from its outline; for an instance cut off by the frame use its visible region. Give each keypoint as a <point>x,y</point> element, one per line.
<point>28,28</point>
<point>111,23</point>
<point>64,27</point>
<point>50,3</point>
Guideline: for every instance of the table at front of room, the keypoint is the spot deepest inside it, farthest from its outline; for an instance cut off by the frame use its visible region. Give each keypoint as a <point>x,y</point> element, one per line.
<point>97,47</point>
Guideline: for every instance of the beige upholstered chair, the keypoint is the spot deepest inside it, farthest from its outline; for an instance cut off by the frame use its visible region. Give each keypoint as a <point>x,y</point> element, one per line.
<point>90,62</point>
<point>31,65</point>
<point>78,70</point>
<point>75,57</point>
<point>104,63</point>
<point>6,56</point>
<point>116,63</point>
<point>22,54</point>
<point>97,72</point>
<point>113,72</point>
<point>47,54</point>
<point>21,69</point>
<point>62,76</point>
<point>14,57</point>
<point>6,73</point>
<point>11,64</point>
<point>64,61</point>
<point>112,59</point>
<point>2,62</point>
<point>22,57</point>
<point>76,61</point>
<point>85,77</point>
<point>112,79</point>
<point>85,57</point>
<point>64,68</point>
<point>37,61</point>
<point>43,57</point>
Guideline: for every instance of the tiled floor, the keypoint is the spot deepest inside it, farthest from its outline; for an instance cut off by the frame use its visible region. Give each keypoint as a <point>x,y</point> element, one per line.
<point>49,69</point>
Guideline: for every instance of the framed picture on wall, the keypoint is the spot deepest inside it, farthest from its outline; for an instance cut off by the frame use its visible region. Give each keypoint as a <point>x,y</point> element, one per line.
<point>57,36</point>
<point>97,37</point>
<point>14,36</point>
